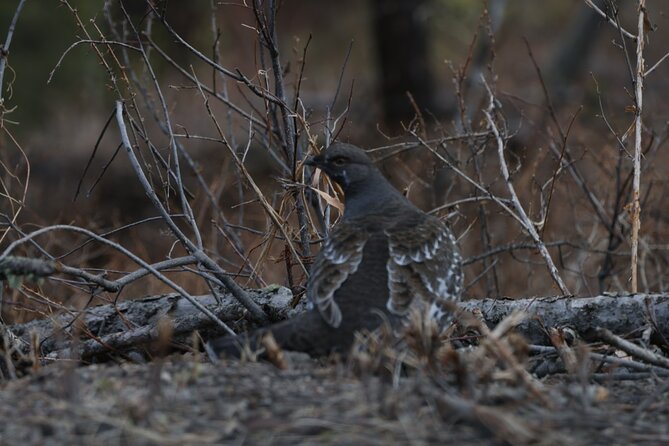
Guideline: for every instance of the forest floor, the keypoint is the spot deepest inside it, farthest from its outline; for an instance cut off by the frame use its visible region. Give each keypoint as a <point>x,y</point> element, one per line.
<point>185,400</point>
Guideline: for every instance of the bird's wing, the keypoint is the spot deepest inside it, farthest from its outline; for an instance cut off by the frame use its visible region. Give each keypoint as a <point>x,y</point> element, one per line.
<point>424,263</point>
<point>338,259</point>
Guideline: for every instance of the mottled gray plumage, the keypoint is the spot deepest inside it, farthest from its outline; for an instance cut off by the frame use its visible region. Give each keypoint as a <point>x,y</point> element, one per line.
<point>384,256</point>
<point>421,257</point>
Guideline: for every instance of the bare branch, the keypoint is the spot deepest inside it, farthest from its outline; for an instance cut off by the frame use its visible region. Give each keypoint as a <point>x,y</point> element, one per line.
<point>610,20</point>
<point>4,51</point>
<point>638,127</point>
<point>124,251</point>
<point>235,289</point>
<point>520,211</point>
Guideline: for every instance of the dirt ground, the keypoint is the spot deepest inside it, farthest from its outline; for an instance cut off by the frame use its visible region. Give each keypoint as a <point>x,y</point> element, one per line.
<point>185,400</point>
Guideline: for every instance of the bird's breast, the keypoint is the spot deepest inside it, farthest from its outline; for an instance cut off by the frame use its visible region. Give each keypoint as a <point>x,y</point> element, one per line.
<point>365,292</point>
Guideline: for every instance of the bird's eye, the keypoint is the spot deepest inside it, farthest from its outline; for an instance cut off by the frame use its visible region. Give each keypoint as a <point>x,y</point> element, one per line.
<point>339,161</point>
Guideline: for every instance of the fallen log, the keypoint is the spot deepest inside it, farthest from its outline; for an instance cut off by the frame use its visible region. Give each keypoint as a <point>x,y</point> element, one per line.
<point>624,314</point>
<point>113,328</point>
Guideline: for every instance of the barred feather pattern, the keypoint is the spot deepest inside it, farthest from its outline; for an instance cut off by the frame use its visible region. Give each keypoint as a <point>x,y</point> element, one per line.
<point>424,267</point>
<point>339,258</point>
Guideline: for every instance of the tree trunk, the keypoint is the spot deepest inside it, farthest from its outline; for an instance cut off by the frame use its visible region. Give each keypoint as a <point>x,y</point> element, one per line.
<point>400,28</point>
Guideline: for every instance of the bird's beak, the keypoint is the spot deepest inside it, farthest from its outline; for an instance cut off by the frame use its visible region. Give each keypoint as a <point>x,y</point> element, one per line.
<point>314,161</point>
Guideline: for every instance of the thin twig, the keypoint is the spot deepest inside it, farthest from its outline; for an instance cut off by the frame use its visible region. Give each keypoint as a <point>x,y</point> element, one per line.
<point>631,348</point>
<point>520,211</point>
<point>604,359</point>
<point>636,183</point>
<point>230,284</point>
<point>4,51</point>
<point>610,20</point>
<point>124,251</point>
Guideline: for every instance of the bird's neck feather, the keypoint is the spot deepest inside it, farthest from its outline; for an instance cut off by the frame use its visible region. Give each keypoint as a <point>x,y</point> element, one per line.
<point>375,193</point>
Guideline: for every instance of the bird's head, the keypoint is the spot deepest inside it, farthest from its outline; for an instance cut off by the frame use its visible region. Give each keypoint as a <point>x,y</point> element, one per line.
<point>347,165</point>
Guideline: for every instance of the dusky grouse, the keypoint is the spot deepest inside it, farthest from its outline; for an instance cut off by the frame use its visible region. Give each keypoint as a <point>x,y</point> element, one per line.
<point>384,256</point>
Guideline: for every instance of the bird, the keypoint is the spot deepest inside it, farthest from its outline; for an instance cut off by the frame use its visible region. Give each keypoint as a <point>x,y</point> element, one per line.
<point>383,258</point>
